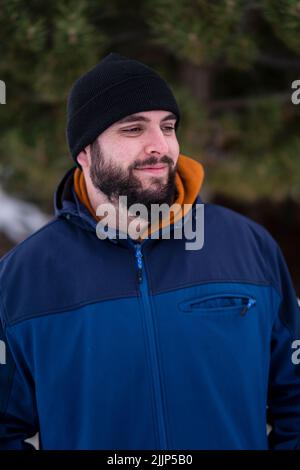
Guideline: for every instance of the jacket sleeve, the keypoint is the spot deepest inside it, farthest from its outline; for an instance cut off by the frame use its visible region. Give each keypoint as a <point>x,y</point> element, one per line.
<point>284,375</point>
<point>18,418</point>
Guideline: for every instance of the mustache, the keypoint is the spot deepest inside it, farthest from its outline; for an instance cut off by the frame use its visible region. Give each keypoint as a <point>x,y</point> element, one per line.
<point>152,161</point>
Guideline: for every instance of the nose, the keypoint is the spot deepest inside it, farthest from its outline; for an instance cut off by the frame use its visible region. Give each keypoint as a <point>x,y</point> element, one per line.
<point>156,143</point>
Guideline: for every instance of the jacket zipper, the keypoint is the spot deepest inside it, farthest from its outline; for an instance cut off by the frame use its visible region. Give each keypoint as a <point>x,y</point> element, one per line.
<point>143,286</point>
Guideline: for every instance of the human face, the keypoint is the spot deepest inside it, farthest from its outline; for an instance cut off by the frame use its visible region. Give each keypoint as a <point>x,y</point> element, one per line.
<point>137,157</point>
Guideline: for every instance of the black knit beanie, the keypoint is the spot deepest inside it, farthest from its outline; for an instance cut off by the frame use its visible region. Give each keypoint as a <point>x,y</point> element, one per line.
<point>116,87</point>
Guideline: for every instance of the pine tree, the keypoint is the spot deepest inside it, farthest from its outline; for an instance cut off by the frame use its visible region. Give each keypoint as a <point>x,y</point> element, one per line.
<point>238,60</point>
<point>230,62</point>
<point>44,46</point>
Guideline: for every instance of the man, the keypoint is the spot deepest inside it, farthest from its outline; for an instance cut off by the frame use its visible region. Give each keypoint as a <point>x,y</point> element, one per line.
<point>136,342</point>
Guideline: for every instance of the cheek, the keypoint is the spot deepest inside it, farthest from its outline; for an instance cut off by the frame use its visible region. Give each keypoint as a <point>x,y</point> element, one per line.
<point>125,148</point>
<point>174,147</point>
<point>124,153</point>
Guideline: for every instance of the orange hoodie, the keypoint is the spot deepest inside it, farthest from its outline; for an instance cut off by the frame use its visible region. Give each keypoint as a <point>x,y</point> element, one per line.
<point>189,178</point>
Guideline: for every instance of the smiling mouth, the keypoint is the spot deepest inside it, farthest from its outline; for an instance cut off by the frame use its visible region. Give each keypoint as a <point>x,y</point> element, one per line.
<point>152,169</point>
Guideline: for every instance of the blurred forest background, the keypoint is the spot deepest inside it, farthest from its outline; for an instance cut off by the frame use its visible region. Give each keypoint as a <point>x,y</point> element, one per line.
<point>231,64</point>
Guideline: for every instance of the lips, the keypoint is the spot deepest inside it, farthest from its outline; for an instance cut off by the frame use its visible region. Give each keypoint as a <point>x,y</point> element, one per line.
<point>153,169</point>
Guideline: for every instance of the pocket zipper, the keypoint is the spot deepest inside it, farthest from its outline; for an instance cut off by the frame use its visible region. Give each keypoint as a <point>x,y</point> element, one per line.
<point>187,306</point>
<point>250,303</point>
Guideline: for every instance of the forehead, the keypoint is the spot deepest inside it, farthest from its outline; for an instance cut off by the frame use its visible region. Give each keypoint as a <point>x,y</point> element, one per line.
<point>148,116</point>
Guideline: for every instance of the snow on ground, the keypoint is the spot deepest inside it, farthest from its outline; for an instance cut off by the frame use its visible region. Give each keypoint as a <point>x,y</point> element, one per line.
<point>19,219</point>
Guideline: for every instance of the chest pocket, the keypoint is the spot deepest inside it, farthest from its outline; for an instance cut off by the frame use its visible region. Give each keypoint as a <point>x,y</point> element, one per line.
<point>218,304</point>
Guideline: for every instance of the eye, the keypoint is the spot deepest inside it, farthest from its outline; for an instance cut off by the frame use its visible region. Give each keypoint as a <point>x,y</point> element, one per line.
<point>132,130</point>
<point>169,128</point>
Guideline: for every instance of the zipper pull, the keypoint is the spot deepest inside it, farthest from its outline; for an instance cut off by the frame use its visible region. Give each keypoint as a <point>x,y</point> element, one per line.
<point>139,255</point>
<point>250,303</point>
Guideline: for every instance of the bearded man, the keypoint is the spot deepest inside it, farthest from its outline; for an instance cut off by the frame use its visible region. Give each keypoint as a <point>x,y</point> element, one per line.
<point>121,341</point>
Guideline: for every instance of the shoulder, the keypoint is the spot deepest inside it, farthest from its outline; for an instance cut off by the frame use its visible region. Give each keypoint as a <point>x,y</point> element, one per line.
<point>246,237</point>
<point>32,273</point>
<point>230,221</point>
<point>36,254</point>
<point>35,243</point>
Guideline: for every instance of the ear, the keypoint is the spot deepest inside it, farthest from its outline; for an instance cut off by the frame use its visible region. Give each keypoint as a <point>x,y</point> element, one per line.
<point>83,158</point>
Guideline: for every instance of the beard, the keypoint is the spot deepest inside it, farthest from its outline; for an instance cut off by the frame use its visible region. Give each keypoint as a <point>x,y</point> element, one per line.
<point>115,181</point>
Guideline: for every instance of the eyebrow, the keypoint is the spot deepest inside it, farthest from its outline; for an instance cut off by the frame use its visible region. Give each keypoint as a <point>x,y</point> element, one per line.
<point>136,118</point>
